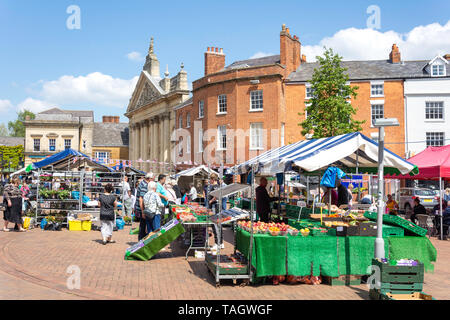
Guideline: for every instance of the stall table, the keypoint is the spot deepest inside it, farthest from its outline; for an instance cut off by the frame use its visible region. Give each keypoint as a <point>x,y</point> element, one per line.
<point>190,227</point>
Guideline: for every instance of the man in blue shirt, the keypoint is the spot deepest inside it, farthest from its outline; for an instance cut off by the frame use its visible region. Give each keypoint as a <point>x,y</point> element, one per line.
<point>139,206</point>
<point>161,191</point>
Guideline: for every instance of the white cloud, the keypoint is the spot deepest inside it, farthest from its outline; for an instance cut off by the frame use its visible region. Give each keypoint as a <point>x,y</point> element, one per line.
<point>421,43</point>
<point>135,56</point>
<point>260,55</point>
<point>34,105</point>
<point>93,89</point>
<point>6,106</point>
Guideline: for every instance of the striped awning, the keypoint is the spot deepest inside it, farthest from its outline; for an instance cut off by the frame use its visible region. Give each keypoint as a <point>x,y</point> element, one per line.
<point>202,170</point>
<point>347,151</point>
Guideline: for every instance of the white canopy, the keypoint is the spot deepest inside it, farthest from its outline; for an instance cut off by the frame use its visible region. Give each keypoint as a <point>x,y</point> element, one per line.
<point>202,170</point>
<point>349,151</point>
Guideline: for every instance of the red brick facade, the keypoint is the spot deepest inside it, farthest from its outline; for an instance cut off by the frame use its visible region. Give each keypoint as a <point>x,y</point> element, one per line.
<point>282,103</point>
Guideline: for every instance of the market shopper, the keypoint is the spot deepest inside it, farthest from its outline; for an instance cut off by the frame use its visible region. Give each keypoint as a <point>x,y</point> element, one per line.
<point>391,205</point>
<point>334,197</point>
<point>366,199</point>
<point>343,195</point>
<point>192,192</point>
<point>108,203</point>
<point>263,200</point>
<point>12,198</point>
<point>170,192</point>
<point>447,195</point>
<point>25,189</point>
<point>224,199</point>
<point>177,190</point>
<point>139,207</point>
<point>161,191</point>
<point>418,209</point>
<point>127,200</point>
<point>153,208</point>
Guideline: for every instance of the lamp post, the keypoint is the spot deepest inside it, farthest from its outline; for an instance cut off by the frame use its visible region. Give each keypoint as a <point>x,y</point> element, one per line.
<point>380,124</point>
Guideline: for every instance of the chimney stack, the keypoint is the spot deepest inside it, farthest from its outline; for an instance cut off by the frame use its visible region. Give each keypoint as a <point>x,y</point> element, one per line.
<point>447,57</point>
<point>395,56</point>
<point>111,119</point>
<point>290,50</point>
<point>214,60</point>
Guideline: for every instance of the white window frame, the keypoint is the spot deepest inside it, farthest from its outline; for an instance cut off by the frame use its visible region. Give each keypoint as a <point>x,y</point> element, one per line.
<point>440,67</point>
<point>36,143</point>
<point>200,140</point>
<point>434,113</point>
<point>180,122</point>
<point>102,159</point>
<point>372,105</point>
<point>282,134</point>
<point>256,129</point>
<point>308,95</point>
<point>222,99</point>
<point>50,140</point>
<point>188,120</point>
<point>256,98</point>
<point>221,142</point>
<point>428,138</point>
<point>65,144</point>
<point>376,94</point>
<point>201,109</point>
<point>188,144</point>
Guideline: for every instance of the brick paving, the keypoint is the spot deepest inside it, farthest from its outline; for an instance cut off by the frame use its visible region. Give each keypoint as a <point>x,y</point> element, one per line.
<point>33,265</point>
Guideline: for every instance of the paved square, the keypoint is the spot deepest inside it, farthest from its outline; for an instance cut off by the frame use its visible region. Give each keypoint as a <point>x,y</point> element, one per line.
<point>33,265</point>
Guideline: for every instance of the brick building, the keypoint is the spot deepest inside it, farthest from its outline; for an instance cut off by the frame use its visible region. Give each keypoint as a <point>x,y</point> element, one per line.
<point>253,105</point>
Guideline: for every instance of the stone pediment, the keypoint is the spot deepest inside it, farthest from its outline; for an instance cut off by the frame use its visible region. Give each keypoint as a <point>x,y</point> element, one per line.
<point>147,90</point>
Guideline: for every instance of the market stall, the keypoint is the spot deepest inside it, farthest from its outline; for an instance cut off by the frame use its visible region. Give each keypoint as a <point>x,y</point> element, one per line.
<point>337,241</point>
<point>196,176</point>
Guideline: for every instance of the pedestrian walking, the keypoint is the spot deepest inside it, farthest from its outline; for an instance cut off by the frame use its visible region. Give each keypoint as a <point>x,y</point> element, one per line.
<point>108,203</point>
<point>12,198</point>
<point>127,200</point>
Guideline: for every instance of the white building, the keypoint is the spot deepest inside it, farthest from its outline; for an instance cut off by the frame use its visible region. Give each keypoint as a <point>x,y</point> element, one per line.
<point>427,107</point>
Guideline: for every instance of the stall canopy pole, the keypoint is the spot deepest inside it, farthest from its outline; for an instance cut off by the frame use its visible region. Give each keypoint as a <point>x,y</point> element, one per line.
<point>379,242</point>
<point>440,205</point>
<point>252,213</point>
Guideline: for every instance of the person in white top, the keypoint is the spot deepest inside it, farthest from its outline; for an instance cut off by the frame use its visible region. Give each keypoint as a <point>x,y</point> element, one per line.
<point>171,195</point>
<point>127,200</point>
<point>192,192</point>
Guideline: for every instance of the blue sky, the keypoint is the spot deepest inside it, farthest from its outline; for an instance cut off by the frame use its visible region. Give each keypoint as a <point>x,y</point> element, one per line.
<point>43,63</point>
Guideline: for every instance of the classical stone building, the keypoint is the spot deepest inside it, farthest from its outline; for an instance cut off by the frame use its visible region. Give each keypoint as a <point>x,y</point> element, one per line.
<point>152,117</point>
<point>54,130</point>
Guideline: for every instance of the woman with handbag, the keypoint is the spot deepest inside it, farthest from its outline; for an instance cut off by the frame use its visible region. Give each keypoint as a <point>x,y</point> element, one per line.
<point>108,203</point>
<point>12,197</point>
<point>153,207</point>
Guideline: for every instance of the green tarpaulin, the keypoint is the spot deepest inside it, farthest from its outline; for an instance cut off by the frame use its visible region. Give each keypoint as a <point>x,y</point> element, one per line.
<point>417,248</point>
<point>329,255</point>
<point>149,250</point>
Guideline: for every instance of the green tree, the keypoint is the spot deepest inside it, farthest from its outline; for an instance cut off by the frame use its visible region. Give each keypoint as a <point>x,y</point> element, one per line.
<point>3,130</point>
<point>328,111</point>
<point>16,128</point>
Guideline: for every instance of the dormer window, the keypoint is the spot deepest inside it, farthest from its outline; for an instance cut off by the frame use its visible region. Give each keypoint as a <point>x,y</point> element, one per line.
<point>437,70</point>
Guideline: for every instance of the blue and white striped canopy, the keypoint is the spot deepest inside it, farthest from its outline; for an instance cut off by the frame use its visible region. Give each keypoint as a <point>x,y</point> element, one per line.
<point>348,151</point>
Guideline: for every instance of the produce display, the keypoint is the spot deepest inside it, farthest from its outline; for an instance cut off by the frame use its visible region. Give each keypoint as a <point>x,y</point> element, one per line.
<point>272,228</point>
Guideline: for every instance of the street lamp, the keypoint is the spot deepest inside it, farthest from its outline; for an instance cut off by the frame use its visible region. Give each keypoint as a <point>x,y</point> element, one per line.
<point>380,124</point>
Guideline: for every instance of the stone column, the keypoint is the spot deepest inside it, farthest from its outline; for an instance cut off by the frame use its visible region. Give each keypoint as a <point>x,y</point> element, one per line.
<point>152,146</point>
<point>165,138</point>
<point>142,153</point>
<point>146,143</point>
<point>130,141</point>
<point>138,145</point>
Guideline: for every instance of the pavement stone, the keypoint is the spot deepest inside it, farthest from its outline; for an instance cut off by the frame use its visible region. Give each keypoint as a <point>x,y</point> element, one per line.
<point>33,265</point>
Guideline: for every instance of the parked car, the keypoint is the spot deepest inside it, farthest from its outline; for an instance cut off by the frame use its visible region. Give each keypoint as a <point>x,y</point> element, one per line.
<point>427,198</point>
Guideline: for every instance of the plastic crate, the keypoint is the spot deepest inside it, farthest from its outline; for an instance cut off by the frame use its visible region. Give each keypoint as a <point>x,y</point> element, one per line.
<point>401,287</point>
<point>398,221</point>
<point>389,231</point>
<point>417,295</point>
<point>86,225</point>
<point>400,274</point>
<point>75,225</point>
